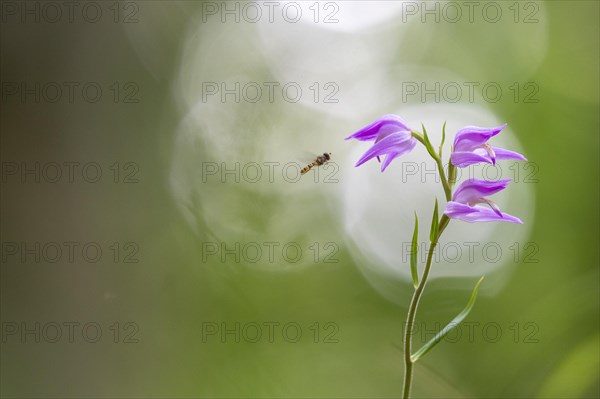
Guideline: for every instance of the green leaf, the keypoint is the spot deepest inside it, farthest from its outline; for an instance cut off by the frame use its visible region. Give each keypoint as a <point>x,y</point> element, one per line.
<point>413,253</point>
<point>427,143</point>
<point>455,322</point>
<point>434,223</point>
<point>443,138</point>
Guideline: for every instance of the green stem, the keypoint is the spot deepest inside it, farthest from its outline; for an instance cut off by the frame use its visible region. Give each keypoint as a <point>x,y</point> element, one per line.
<point>447,189</point>
<point>418,136</point>
<point>412,311</point>
<point>438,161</point>
<point>451,175</point>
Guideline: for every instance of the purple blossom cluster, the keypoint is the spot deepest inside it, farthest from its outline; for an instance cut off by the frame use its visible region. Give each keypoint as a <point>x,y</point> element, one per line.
<point>392,138</point>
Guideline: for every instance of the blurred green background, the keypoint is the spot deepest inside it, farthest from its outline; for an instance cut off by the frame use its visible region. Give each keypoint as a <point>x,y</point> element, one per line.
<point>174,293</point>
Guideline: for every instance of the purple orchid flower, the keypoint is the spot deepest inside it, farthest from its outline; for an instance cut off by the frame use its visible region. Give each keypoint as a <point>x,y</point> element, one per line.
<point>471,147</point>
<point>392,137</point>
<point>472,192</point>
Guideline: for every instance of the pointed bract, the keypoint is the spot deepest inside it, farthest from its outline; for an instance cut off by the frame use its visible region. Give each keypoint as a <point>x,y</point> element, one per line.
<point>414,248</point>
<point>433,231</point>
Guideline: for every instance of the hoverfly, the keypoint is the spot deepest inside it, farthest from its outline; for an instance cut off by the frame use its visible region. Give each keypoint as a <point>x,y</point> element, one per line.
<point>321,159</point>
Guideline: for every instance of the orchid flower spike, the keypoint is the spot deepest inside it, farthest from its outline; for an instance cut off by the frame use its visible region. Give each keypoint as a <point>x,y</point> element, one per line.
<point>471,147</point>
<point>392,138</point>
<point>473,192</point>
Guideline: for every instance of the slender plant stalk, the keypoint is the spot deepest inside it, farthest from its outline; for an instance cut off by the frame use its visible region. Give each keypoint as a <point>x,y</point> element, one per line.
<point>445,183</point>
<point>447,188</point>
<point>412,311</point>
<point>451,175</point>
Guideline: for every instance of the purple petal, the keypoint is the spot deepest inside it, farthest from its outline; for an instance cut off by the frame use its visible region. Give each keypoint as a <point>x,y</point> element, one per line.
<point>463,159</point>
<point>395,144</point>
<point>385,125</point>
<point>471,137</point>
<point>472,214</point>
<point>390,157</point>
<point>472,190</point>
<point>492,205</point>
<point>501,153</point>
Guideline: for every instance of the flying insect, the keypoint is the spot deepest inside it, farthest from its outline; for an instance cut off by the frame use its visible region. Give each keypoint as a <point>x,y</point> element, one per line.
<point>321,160</point>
